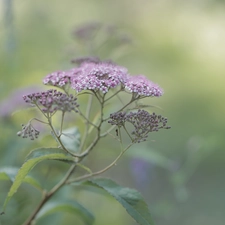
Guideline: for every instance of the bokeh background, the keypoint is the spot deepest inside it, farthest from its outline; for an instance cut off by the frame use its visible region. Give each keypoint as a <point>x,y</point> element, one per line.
<point>178,44</point>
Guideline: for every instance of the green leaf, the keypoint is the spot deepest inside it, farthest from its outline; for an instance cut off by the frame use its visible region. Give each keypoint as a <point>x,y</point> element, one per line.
<point>71,139</point>
<point>69,207</point>
<point>9,173</point>
<point>35,157</point>
<point>130,199</point>
<point>32,181</point>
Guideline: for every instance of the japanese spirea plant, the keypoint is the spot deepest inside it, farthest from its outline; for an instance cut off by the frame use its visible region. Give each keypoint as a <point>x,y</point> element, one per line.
<point>103,84</point>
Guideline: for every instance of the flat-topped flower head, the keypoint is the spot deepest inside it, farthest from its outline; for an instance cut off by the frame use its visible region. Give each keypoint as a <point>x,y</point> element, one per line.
<point>58,79</point>
<point>51,101</point>
<point>142,86</point>
<point>93,74</point>
<point>142,121</point>
<point>98,76</point>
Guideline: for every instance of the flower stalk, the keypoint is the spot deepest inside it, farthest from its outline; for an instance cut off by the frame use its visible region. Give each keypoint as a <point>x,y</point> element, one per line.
<point>102,81</point>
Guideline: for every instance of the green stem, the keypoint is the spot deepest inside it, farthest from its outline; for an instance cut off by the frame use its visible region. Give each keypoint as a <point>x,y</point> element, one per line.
<point>107,132</point>
<point>91,146</point>
<point>58,138</point>
<point>100,171</point>
<point>113,95</point>
<point>62,119</point>
<point>39,121</point>
<point>132,100</point>
<point>87,116</point>
<point>127,133</point>
<point>41,111</point>
<point>86,119</point>
<point>49,194</point>
<point>98,136</point>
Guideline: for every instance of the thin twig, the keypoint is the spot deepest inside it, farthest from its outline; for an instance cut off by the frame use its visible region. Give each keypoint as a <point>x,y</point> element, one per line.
<point>60,142</point>
<point>100,171</point>
<point>87,116</point>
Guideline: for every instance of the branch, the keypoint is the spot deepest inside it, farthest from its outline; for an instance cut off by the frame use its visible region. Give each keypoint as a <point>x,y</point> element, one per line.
<point>48,195</point>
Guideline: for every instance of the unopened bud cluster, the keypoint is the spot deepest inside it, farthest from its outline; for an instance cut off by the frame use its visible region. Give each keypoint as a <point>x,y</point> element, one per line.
<point>28,131</point>
<point>118,118</point>
<point>143,123</point>
<point>51,101</point>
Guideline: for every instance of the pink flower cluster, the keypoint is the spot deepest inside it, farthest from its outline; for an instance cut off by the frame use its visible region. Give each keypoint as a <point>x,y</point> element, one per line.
<point>142,86</point>
<point>102,76</point>
<point>52,100</point>
<point>58,78</point>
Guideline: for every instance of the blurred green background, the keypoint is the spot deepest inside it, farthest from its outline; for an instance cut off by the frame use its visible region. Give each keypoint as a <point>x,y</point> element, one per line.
<point>178,44</point>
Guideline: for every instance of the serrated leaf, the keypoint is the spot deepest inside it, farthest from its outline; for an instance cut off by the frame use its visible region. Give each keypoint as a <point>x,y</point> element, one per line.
<point>35,157</point>
<point>71,139</point>
<point>69,207</point>
<point>9,173</point>
<point>130,199</point>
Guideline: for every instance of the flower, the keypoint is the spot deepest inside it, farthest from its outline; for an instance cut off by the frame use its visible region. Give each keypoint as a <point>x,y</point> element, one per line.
<point>143,123</point>
<point>142,86</point>
<point>28,131</point>
<point>98,76</point>
<point>118,119</point>
<point>51,101</point>
<point>58,79</point>
<point>93,74</point>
